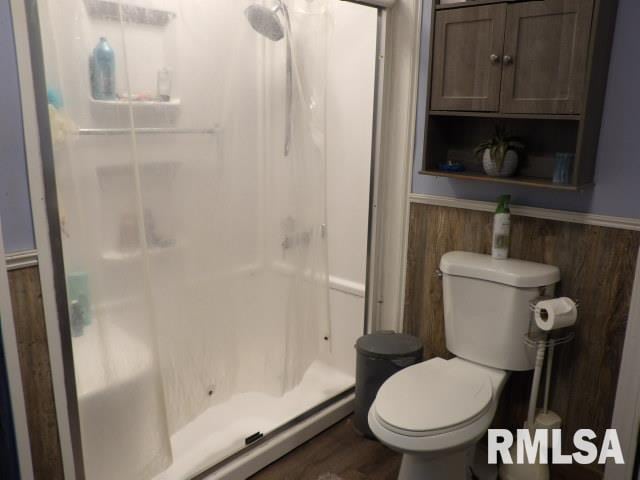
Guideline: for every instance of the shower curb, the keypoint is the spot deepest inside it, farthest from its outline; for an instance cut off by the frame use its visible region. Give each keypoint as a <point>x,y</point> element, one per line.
<point>279,444</point>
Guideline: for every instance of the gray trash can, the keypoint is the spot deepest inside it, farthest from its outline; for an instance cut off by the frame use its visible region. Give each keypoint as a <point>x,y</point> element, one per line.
<point>380,355</point>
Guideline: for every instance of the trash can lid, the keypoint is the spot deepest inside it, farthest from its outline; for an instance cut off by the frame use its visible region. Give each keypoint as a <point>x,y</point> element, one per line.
<point>388,344</point>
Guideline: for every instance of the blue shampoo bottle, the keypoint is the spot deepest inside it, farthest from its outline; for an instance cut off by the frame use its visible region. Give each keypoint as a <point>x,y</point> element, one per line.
<point>103,71</point>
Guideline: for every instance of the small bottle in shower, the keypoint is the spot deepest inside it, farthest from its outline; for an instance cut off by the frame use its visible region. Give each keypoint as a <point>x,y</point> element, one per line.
<point>76,323</point>
<point>164,84</point>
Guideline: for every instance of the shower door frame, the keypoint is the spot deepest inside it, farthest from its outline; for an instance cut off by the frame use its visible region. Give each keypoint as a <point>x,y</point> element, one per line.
<point>42,189</point>
<point>392,139</point>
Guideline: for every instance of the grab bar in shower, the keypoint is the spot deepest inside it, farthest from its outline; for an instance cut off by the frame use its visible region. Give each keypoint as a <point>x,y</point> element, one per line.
<point>147,131</point>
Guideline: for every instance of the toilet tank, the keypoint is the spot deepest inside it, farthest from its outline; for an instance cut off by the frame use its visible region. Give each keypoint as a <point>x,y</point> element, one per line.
<point>486,307</point>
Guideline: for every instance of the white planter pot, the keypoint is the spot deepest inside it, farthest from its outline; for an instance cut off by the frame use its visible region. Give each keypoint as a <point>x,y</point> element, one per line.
<point>509,165</point>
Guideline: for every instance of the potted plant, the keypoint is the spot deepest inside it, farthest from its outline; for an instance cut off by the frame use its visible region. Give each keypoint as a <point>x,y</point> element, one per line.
<point>500,153</point>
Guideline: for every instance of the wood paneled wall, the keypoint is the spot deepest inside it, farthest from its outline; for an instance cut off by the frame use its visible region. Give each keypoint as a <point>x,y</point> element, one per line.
<point>597,266</point>
<point>26,297</point>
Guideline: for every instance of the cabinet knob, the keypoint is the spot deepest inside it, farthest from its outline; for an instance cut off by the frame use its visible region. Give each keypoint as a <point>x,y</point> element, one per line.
<point>494,58</point>
<point>507,60</point>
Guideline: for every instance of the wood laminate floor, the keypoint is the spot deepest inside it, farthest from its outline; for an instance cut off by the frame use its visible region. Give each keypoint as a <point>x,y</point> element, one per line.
<point>338,453</point>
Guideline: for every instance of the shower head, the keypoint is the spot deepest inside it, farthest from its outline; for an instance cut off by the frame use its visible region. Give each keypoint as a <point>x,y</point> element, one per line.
<point>265,21</point>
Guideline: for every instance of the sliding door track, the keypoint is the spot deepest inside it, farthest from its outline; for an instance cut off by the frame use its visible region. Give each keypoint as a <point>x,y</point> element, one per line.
<point>261,440</point>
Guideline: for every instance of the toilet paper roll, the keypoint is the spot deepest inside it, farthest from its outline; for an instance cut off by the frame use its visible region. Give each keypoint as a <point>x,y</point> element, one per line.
<point>556,313</point>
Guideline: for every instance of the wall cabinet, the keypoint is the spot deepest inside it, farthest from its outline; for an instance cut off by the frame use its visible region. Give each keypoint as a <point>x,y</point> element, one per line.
<point>526,57</point>
<point>527,65</point>
<point>467,56</point>
<point>545,56</point>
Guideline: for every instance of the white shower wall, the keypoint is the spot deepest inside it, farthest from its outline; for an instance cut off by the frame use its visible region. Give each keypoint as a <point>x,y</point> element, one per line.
<point>204,188</point>
<point>350,101</point>
<point>350,84</point>
<point>195,46</point>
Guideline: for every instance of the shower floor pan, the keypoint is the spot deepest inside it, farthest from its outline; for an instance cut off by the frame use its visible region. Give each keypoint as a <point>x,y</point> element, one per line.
<point>226,429</point>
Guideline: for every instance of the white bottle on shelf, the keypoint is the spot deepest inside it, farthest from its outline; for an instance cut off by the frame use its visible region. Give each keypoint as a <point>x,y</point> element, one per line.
<point>501,229</point>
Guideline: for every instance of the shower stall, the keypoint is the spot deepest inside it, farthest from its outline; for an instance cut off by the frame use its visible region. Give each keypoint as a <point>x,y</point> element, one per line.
<point>213,211</point>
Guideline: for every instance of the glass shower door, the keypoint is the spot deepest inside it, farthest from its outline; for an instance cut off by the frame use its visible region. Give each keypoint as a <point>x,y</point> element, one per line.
<point>195,242</point>
<point>213,203</point>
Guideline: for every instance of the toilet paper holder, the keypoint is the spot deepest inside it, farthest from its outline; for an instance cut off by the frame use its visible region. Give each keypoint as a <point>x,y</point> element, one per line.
<point>544,343</point>
<point>535,337</point>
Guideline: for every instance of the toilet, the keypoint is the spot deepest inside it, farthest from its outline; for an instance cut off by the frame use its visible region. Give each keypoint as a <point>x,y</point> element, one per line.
<point>435,412</point>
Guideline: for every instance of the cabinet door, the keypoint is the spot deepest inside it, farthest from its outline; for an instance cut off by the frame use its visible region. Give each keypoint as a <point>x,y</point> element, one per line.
<point>466,58</point>
<point>545,56</point>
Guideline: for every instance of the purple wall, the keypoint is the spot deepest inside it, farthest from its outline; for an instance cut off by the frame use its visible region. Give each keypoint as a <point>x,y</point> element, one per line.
<point>617,181</point>
<point>15,208</point>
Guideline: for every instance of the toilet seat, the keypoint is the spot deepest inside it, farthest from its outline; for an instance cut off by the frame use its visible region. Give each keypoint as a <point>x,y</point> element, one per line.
<point>433,397</point>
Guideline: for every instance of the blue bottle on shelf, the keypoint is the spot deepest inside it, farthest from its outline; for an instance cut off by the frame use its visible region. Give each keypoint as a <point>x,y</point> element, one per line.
<point>102,70</point>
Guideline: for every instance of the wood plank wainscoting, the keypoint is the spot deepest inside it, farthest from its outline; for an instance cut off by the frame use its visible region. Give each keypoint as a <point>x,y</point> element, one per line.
<point>31,333</point>
<point>597,267</point>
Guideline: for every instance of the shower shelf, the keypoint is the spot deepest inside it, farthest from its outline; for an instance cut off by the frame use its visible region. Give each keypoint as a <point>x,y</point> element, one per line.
<point>172,104</point>
<point>122,12</point>
<point>147,131</point>
<point>119,168</point>
<point>122,256</point>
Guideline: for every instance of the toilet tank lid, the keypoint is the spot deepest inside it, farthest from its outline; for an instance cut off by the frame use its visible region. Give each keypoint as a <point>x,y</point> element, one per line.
<point>517,273</point>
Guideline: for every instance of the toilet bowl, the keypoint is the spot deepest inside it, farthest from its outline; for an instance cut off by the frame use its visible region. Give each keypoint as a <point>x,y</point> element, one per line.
<point>434,413</point>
